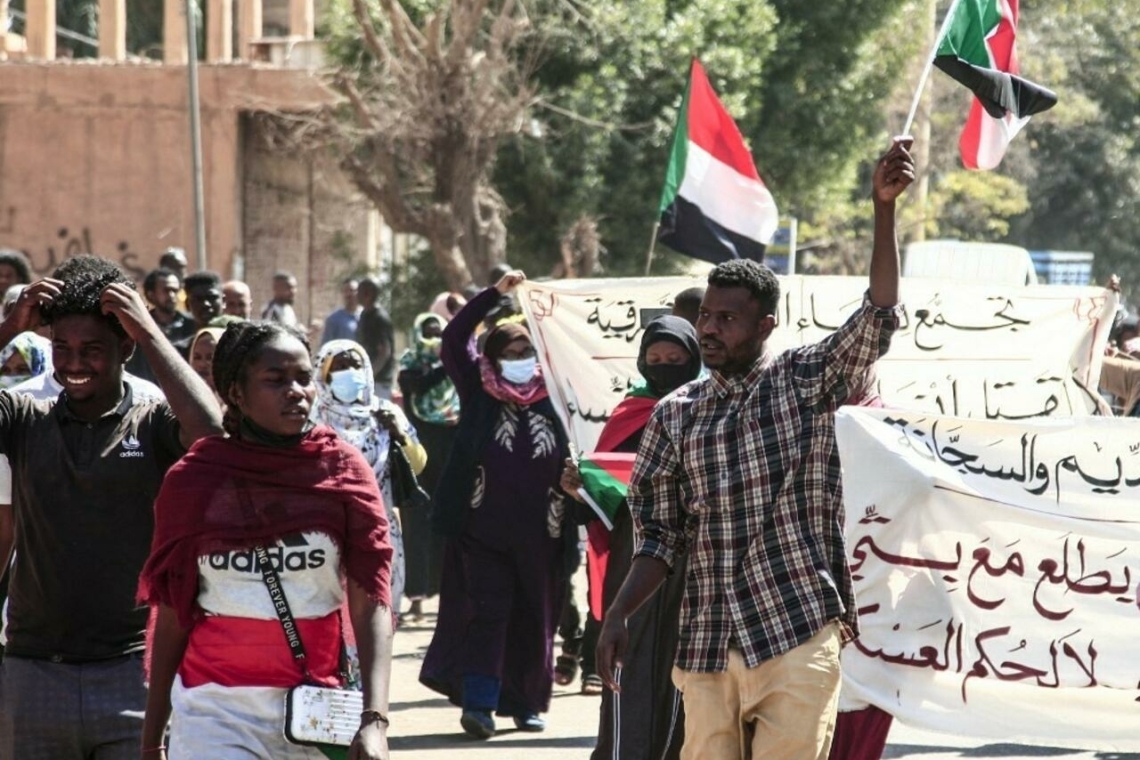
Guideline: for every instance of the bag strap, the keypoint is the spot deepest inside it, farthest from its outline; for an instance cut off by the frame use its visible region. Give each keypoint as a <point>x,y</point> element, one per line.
<point>276,591</point>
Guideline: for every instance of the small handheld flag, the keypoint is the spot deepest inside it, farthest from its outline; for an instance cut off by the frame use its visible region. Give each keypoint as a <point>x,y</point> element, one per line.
<point>605,482</point>
<point>978,50</point>
<point>714,205</point>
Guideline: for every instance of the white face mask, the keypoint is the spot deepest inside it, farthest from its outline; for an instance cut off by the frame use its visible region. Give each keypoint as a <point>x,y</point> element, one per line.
<point>347,385</point>
<point>518,371</point>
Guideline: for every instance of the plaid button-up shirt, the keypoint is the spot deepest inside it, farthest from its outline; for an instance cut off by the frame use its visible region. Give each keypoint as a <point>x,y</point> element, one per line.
<point>745,471</point>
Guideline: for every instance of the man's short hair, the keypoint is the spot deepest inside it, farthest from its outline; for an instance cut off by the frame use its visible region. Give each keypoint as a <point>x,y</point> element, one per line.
<point>202,279</point>
<point>84,280</point>
<point>687,303</point>
<point>370,284</point>
<point>281,274</point>
<point>152,278</point>
<point>174,254</point>
<point>19,262</point>
<point>753,276</point>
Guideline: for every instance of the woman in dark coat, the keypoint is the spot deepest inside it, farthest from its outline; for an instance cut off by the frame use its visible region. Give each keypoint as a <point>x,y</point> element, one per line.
<point>506,558</point>
<point>646,720</point>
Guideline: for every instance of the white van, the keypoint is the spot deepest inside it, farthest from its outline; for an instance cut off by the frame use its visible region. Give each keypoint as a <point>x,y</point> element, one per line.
<point>976,262</point>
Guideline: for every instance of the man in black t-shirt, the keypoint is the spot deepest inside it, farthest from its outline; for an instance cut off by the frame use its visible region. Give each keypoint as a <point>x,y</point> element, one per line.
<point>86,468</point>
<point>376,334</point>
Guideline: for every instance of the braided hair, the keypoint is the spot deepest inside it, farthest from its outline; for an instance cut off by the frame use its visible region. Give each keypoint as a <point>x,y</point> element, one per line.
<point>84,280</point>
<point>240,346</point>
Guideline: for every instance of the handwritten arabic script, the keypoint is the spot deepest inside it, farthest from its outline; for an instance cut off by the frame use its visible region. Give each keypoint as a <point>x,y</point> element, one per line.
<point>996,566</point>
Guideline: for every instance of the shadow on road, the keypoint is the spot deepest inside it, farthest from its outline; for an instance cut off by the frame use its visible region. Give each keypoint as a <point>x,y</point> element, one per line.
<point>504,739</point>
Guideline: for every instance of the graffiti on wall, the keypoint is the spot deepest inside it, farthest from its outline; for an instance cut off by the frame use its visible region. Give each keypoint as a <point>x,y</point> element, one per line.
<point>69,242</point>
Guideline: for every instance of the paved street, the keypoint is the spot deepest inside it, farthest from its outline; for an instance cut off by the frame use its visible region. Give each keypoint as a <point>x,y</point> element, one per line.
<point>425,725</point>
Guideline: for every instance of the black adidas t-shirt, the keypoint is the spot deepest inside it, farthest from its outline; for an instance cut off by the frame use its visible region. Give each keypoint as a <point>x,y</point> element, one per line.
<point>83,495</point>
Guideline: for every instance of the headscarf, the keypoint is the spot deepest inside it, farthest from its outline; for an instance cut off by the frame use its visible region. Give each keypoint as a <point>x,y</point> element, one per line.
<point>672,330</point>
<point>440,308</point>
<point>36,352</point>
<point>439,405</point>
<point>355,423</point>
<point>217,332</point>
<point>498,388</point>
<point>629,419</point>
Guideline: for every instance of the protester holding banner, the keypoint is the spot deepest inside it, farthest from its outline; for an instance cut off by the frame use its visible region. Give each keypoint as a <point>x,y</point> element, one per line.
<point>645,720</point>
<point>505,563</point>
<point>742,468</point>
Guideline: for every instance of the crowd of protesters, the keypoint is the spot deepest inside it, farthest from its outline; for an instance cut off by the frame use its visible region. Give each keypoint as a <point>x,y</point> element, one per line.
<point>164,456</point>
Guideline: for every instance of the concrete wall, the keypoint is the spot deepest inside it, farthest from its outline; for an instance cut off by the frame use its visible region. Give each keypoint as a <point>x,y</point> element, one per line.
<point>96,157</point>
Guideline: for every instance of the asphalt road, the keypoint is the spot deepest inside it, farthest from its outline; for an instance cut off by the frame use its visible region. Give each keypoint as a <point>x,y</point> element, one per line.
<point>425,725</point>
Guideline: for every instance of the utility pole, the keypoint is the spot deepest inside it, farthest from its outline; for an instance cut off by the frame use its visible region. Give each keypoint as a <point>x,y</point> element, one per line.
<point>195,136</point>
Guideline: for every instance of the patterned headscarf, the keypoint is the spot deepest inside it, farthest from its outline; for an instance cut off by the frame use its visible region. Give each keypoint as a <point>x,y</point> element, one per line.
<point>36,352</point>
<point>438,405</point>
<point>355,422</point>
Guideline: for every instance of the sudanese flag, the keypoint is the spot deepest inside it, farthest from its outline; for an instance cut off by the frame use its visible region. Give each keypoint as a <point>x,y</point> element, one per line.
<point>714,206</point>
<point>979,50</point>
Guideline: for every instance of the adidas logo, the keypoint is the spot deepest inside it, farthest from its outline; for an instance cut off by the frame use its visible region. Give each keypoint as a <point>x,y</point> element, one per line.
<point>131,448</point>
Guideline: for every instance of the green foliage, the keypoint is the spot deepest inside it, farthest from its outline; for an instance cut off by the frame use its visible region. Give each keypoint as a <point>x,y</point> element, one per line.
<point>806,81</point>
<point>1085,181</point>
<point>975,206</point>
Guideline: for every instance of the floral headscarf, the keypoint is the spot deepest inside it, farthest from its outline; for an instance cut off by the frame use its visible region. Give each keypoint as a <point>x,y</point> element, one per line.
<point>439,405</point>
<point>36,352</point>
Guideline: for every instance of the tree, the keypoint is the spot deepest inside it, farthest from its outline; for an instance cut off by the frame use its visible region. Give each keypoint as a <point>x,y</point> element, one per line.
<point>430,93</point>
<point>807,82</point>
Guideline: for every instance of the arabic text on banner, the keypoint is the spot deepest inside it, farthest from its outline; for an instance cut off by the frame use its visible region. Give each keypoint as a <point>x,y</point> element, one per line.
<point>992,352</point>
<point>996,567</point>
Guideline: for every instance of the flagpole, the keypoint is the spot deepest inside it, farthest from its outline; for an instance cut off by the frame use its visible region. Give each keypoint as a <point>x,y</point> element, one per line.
<point>929,67</point>
<point>652,245</point>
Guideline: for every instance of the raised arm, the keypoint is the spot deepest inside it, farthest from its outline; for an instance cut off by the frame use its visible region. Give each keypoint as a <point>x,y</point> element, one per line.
<point>893,175</point>
<point>189,397</point>
<point>457,350</point>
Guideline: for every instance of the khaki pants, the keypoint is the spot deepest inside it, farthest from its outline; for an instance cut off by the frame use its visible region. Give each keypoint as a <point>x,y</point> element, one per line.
<point>783,709</point>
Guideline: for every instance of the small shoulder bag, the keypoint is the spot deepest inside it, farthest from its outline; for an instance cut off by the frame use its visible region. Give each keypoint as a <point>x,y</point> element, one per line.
<point>314,715</point>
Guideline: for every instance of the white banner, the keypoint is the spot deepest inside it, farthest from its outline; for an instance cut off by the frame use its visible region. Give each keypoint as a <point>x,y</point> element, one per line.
<point>996,567</point>
<point>991,352</point>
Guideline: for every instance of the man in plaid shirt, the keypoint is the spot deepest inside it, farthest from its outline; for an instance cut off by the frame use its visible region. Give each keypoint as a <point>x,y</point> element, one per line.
<point>741,470</point>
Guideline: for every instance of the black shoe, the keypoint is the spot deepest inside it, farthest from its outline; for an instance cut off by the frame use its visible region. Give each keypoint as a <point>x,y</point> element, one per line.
<point>530,722</point>
<point>479,723</point>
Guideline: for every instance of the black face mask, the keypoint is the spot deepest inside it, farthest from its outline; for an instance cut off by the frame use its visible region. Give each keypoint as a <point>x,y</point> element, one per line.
<point>663,379</point>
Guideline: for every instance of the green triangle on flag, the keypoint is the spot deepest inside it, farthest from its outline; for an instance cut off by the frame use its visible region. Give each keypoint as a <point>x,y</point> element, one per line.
<point>978,49</point>
<point>605,482</point>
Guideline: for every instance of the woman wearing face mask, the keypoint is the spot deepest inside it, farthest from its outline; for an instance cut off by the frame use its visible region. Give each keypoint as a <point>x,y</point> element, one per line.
<point>433,404</point>
<point>506,557</point>
<point>645,720</point>
<point>219,657</point>
<point>347,404</point>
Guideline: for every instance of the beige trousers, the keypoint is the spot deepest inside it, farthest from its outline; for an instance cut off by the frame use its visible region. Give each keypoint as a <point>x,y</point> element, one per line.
<point>783,709</point>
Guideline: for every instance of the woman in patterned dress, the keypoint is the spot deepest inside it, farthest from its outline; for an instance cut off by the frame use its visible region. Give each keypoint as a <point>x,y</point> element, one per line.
<point>346,403</point>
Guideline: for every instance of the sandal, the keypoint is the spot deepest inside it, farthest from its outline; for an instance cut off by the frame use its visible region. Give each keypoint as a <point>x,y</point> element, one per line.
<point>565,669</point>
<point>592,685</point>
